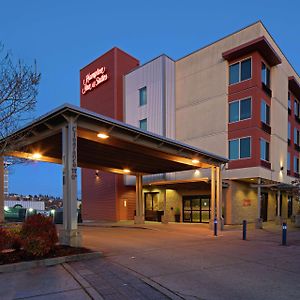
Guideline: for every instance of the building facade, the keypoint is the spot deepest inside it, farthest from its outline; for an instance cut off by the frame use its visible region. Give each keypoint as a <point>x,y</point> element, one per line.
<point>238,98</point>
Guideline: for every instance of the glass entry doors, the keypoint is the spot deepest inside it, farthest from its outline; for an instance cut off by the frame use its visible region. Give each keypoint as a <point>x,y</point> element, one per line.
<point>196,209</point>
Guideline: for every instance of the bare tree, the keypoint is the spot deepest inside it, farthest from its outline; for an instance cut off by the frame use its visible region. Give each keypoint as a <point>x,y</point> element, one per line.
<point>18,92</point>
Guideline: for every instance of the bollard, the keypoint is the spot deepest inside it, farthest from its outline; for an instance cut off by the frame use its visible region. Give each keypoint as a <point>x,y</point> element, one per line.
<point>215,227</point>
<point>244,230</point>
<point>284,230</point>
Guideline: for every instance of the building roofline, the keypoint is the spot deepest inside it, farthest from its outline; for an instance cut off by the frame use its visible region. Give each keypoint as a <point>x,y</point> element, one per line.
<point>149,61</point>
<point>110,50</point>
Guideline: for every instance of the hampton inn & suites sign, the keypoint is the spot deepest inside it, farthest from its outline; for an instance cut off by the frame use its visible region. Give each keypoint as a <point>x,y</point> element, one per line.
<point>92,80</point>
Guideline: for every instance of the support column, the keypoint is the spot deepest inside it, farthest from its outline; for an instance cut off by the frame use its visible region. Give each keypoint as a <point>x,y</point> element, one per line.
<point>165,217</point>
<point>140,209</point>
<point>278,219</point>
<point>213,198</point>
<point>70,234</point>
<point>1,189</point>
<point>259,224</point>
<point>219,199</point>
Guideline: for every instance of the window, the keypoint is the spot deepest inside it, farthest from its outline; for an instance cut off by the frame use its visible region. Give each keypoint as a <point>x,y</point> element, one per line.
<point>240,71</point>
<point>289,130</point>
<point>265,75</point>
<point>288,161</point>
<point>264,150</point>
<point>143,96</point>
<point>296,136</point>
<point>296,164</point>
<point>240,110</point>
<point>240,148</point>
<point>289,100</point>
<point>296,108</point>
<point>265,112</point>
<point>143,124</point>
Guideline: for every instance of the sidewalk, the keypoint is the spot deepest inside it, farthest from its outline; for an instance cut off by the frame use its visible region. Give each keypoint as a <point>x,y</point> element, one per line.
<point>95,279</point>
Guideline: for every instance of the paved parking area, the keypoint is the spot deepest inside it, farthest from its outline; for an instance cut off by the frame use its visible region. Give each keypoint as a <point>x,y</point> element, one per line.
<point>174,261</point>
<point>188,261</point>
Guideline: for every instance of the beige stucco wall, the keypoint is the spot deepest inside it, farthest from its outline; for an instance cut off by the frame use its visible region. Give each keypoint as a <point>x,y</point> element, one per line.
<point>202,107</point>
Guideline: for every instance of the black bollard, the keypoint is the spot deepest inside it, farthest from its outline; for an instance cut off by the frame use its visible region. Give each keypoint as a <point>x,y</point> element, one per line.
<point>244,230</point>
<point>215,227</point>
<point>284,230</point>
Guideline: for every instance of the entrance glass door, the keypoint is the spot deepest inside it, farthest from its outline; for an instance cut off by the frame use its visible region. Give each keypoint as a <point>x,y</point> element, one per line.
<point>196,209</point>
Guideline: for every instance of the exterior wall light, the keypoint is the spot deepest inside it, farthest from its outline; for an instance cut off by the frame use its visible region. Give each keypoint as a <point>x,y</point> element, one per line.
<point>281,168</point>
<point>102,135</point>
<point>97,173</point>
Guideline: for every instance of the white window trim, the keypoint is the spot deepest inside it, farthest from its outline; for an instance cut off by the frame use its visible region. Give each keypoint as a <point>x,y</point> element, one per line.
<point>239,100</point>
<point>240,70</point>
<point>239,148</point>
<point>262,139</point>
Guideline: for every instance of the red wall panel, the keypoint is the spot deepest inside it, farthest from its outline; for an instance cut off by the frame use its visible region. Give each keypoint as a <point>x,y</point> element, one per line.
<point>103,196</point>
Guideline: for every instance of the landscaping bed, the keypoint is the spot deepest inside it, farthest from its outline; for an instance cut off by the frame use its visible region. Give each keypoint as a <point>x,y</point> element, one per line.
<point>15,256</point>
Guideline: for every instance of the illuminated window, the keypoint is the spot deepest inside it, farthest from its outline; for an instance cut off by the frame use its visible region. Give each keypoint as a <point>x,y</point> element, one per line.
<point>143,96</point>
<point>240,148</point>
<point>264,150</point>
<point>240,110</point>
<point>143,124</point>
<point>240,71</point>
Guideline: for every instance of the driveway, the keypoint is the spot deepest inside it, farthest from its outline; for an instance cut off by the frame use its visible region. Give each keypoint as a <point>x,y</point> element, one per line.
<point>187,261</point>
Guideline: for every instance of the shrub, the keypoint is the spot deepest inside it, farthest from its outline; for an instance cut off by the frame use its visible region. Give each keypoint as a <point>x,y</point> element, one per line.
<point>4,239</point>
<point>38,235</point>
<point>14,237</point>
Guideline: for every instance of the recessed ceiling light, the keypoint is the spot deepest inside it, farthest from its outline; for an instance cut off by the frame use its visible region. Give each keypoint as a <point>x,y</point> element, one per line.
<point>195,161</point>
<point>126,170</point>
<point>36,155</point>
<point>102,135</point>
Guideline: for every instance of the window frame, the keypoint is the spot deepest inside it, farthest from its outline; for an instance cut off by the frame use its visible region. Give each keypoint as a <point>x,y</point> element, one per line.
<point>140,92</point>
<point>143,120</point>
<point>289,100</point>
<point>239,101</point>
<point>296,171</point>
<point>239,148</point>
<point>240,70</point>
<point>288,161</point>
<point>267,68</point>
<point>266,104</point>
<point>263,159</point>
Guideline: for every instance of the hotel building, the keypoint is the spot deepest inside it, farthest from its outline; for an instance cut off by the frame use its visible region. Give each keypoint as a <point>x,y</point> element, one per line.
<point>237,97</point>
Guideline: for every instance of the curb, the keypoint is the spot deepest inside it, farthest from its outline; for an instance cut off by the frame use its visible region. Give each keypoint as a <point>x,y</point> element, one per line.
<point>26,265</point>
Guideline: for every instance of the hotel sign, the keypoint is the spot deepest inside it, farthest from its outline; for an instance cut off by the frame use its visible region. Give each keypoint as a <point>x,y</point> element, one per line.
<point>92,80</point>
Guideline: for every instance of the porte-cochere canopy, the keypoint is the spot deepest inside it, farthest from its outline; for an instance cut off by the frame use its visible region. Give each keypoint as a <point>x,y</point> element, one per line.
<point>75,137</point>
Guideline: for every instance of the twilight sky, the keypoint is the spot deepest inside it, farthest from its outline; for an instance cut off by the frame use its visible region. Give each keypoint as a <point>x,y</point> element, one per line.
<point>65,35</point>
